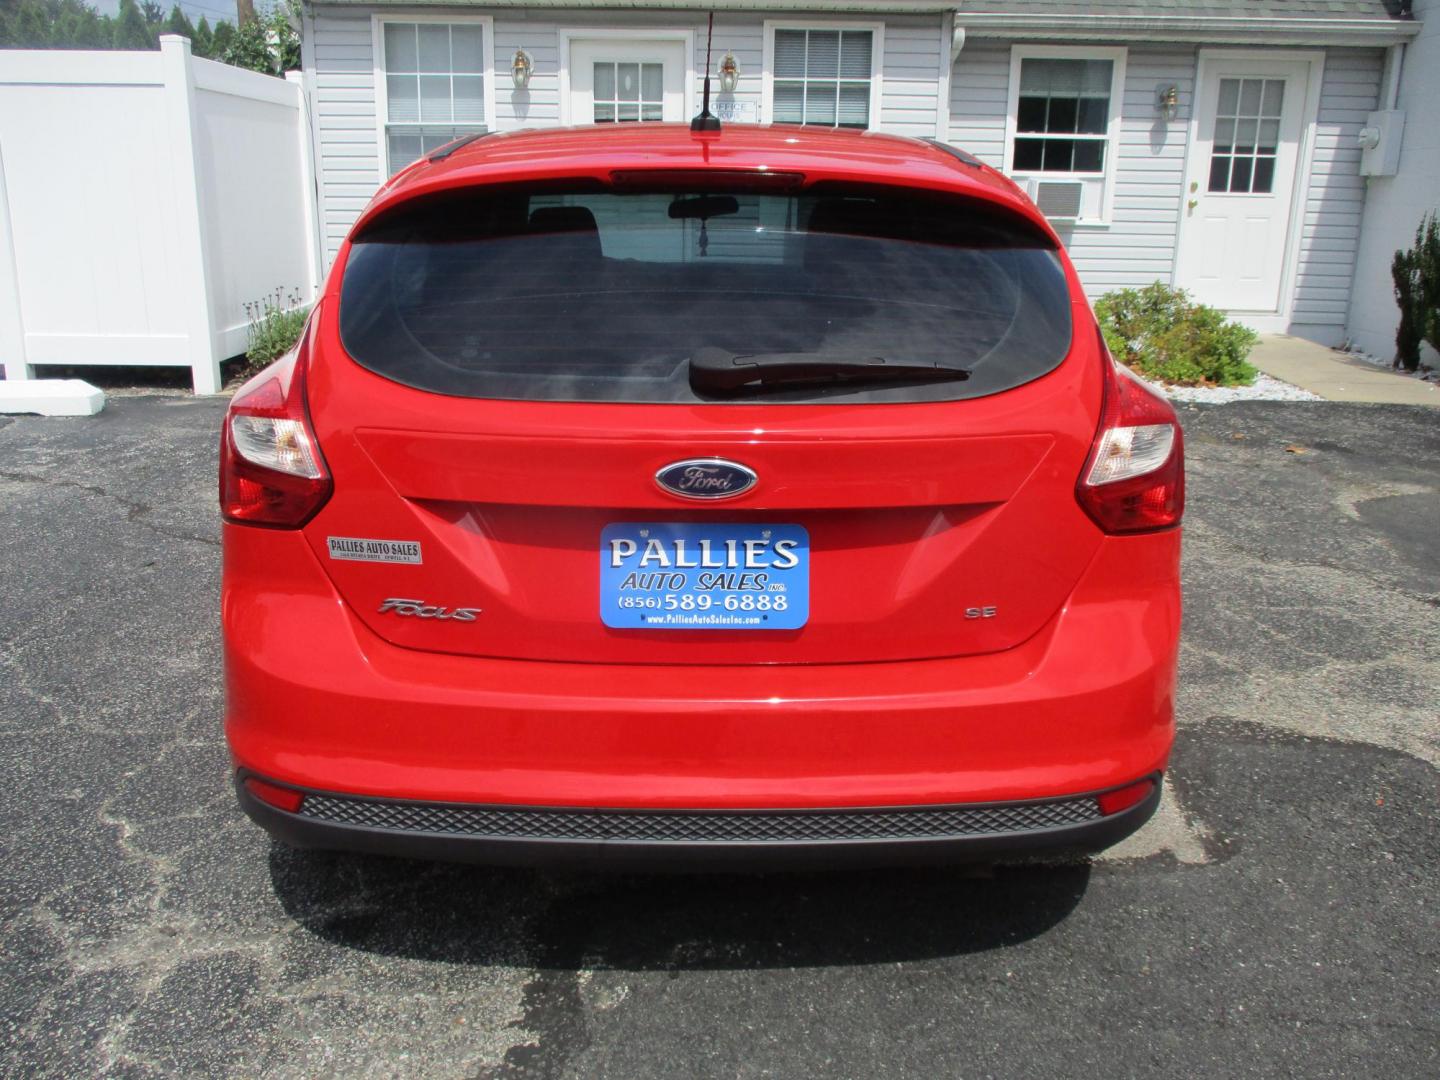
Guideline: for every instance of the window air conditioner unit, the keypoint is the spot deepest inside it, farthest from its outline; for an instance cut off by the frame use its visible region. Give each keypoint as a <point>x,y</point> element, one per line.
<point>1058,200</point>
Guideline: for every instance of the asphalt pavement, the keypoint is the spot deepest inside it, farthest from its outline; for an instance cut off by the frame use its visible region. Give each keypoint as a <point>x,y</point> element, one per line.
<point>1280,917</point>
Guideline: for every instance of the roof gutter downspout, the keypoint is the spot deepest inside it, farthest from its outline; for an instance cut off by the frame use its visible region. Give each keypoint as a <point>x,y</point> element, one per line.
<point>1394,68</point>
<point>952,40</point>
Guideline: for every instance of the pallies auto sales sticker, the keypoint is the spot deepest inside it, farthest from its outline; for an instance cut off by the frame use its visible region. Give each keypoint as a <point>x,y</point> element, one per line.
<point>387,551</point>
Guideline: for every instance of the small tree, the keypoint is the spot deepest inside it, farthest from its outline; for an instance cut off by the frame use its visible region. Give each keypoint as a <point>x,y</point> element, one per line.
<point>267,43</point>
<point>178,23</point>
<point>221,39</point>
<point>1416,276</point>
<point>204,40</point>
<point>27,25</point>
<point>1427,248</point>
<point>79,26</point>
<point>131,31</point>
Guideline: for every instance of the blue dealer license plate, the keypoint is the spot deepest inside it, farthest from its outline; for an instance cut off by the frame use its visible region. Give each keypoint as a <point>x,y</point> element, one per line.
<point>667,576</point>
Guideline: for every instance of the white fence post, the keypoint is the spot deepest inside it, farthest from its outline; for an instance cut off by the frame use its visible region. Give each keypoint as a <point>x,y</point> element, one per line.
<point>308,194</point>
<point>200,320</point>
<point>12,326</point>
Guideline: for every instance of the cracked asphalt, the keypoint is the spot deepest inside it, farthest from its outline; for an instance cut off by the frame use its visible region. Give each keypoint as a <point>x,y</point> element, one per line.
<point>1278,918</point>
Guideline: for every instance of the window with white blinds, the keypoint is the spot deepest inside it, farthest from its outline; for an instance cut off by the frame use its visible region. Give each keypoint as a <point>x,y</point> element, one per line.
<point>434,87</point>
<point>823,77</point>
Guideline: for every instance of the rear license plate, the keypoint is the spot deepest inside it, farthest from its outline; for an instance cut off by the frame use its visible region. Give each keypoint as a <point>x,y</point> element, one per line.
<point>668,576</point>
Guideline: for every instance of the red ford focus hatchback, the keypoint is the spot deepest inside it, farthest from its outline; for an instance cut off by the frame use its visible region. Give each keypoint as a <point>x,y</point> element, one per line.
<point>762,495</point>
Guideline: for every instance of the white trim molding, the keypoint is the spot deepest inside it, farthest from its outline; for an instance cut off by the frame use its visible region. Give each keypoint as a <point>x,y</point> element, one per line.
<point>1117,55</point>
<point>877,61</point>
<point>637,34</point>
<point>1190,28</point>
<point>382,93</point>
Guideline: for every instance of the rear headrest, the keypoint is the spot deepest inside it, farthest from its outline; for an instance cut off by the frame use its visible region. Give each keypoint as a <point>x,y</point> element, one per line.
<point>575,223</point>
<point>563,219</point>
<point>839,217</point>
<point>851,217</point>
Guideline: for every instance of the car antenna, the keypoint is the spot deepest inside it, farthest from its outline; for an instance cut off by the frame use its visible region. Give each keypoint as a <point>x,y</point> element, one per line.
<point>706,121</point>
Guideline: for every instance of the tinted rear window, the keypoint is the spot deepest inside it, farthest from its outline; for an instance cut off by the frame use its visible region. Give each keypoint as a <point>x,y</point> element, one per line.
<point>605,296</point>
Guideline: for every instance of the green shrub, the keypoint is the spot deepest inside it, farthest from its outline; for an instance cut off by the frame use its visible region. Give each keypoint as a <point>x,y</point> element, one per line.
<point>1165,336</point>
<point>1427,245</point>
<point>267,43</point>
<point>275,325</point>
<point>1416,274</point>
<point>1405,274</point>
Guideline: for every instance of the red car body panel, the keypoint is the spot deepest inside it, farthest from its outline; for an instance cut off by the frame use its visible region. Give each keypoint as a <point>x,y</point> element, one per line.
<point>317,700</point>
<point>889,696</point>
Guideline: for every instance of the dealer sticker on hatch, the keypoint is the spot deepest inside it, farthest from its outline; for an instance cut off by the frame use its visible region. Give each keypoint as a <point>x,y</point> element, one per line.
<point>668,576</point>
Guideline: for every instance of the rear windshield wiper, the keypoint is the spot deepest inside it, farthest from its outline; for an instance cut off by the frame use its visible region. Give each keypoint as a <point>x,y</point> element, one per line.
<point>715,371</point>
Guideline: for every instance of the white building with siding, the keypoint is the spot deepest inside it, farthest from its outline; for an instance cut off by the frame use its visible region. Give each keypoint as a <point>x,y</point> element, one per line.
<point>1215,145</point>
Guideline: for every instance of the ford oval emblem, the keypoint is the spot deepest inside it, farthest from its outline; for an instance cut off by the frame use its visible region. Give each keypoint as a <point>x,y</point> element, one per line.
<point>706,478</point>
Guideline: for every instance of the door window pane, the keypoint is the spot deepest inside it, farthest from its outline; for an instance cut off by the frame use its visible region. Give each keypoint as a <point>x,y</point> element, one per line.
<point>604,82</point>
<point>1264,178</point>
<point>1240,173</point>
<point>1219,173</point>
<point>1247,135</point>
<point>627,82</point>
<point>628,91</point>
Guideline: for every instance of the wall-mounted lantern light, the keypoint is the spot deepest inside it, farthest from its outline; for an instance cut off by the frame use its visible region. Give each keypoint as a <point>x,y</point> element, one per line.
<point>1168,103</point>
<point>729,73</point>
<point>520,69</point>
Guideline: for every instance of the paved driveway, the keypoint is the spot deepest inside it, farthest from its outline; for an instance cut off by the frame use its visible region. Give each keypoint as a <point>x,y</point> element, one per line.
<point>1278,918</point>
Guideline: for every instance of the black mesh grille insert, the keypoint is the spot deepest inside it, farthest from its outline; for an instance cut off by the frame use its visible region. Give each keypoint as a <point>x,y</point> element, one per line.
<point>704,826</point>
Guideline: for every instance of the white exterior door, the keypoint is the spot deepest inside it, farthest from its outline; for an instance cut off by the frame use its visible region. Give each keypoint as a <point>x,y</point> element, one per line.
<point>1235,225</point>
<point>626,82</point>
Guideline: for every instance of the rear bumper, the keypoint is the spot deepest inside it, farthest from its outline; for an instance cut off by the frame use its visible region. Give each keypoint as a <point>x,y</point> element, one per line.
<point>315,700</point>
<point>687,840</point>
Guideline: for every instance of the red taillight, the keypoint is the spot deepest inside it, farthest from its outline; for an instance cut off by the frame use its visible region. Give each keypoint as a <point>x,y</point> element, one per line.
<point>282,798</point>
<point>1112,802</point>
<point>271,470</point>
<point>1134,478</point>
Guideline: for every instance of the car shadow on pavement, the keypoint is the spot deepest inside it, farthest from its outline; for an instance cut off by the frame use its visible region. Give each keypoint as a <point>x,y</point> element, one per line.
<point>572,921</point>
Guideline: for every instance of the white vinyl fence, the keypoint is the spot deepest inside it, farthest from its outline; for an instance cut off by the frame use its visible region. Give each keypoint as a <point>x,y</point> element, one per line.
<point>145,198</point>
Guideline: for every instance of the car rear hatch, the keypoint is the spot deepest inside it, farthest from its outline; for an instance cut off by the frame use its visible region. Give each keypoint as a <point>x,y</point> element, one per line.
<point>511,378</point>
